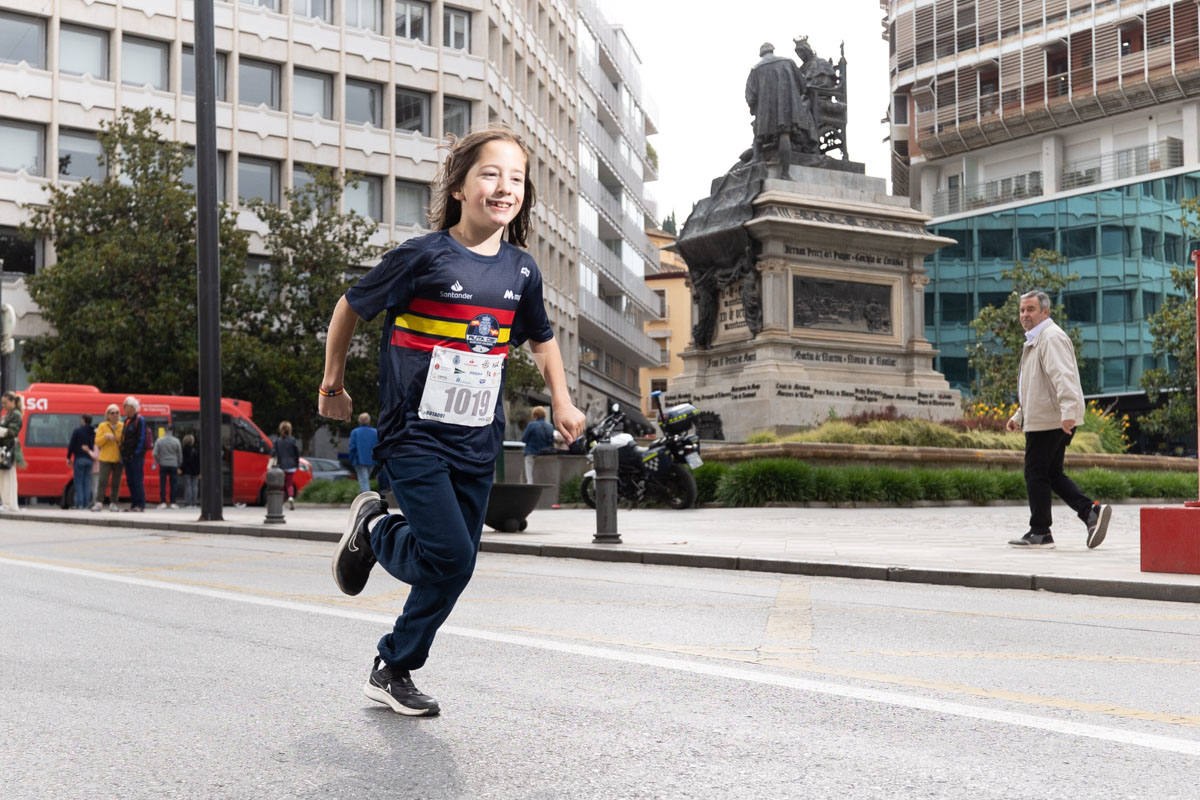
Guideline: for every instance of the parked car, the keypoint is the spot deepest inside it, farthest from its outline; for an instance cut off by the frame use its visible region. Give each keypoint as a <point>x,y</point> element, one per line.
<point>329,469</point>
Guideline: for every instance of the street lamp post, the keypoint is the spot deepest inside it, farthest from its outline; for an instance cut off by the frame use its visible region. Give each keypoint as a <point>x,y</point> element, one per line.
<point>209,281</point>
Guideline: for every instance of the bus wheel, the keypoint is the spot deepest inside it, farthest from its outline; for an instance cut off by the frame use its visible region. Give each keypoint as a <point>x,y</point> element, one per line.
<point>68,495</point>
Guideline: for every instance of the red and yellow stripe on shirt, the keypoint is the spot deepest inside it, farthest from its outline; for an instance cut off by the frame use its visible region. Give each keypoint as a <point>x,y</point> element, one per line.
<point>429,323</point>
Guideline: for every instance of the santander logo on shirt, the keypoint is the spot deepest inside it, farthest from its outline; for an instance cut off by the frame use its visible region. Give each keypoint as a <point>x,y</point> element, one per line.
<point>456,292</point>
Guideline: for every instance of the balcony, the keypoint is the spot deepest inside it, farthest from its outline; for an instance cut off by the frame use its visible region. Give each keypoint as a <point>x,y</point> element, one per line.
<point>607,37</point>
<point>608,148</point>
<point>991,193</point>
<point>632,231</point>
<point>1143,160</point>
<point>612,268</point>
<point>625,335</point>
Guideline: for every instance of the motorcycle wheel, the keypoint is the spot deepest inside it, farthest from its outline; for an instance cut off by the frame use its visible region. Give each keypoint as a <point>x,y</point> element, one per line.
<point>587,490</point>
<point>679,488</point>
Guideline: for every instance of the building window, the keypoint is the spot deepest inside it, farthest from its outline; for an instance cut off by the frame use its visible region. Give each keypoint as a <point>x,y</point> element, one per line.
<point>412,20</point>
<point>83,51</point>
<point>272,5</point>
<point>956,307</point>
<point>364,196</point>
<point>899,109</point>
<point>80,156</point>
<point>317,9</point>
<point>1080,306</point>
<point>188,73</point>
<point>366,14</point>
<point>1079,242</point>
<point>189,173</point>
<point>145,62</point>
<point>18,253</point>
<point>1151,302</point>
<point>456,116</point>
<point>312,93</point>
<point>1117,306</point>
<point>412,204</point>
<point>22,38</point>
<point>658,385</point>
<point>258,82</point>
<point>22,147</point>
<point>364,103</point>
<point>589,354</point>
<point>456,29</point>
<point>258,178</point>
<point>663,311</point>
<point>412,111</point>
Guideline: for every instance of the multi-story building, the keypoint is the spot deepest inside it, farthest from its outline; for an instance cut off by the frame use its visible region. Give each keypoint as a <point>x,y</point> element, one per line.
<point>1069,125</point>
<point>614,212</point>
<point>371,86</point>
<point>672,331</point>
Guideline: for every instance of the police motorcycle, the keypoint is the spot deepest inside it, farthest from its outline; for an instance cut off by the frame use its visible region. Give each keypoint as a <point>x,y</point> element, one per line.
<point>661,470</point>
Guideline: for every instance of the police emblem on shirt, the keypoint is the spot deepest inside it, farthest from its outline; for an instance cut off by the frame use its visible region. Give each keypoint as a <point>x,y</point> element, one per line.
<point>483,332</point>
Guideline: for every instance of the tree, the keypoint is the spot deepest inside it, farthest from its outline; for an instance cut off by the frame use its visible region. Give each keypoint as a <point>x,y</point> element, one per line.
<point>274,347</point>
<point>1174,329</point>
<point>121,296</point>
<point>995,354</point>
<point>669,225</point>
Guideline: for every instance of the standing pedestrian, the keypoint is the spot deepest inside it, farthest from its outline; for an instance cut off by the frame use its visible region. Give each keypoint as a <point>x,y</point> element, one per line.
<point>189,471</point>
<point>1050,403</point>
<point>79,455</point>
<point>362,451</point>
<point>109,434</point>
<point>455,300</point>
<point>286,452</point>
<point>133,453</point>
<point>538,438</point>
<point>168,452</point>
<point>11,419</point>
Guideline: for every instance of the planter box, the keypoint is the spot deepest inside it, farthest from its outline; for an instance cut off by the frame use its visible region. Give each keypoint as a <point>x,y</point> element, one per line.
<point>1171,539</point>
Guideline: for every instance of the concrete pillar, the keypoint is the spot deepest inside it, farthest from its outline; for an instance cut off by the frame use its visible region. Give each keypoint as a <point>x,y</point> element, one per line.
<point>775,293</point>
<point>1052,163</point>
<point>1191,134</point>
<point>929,186</point>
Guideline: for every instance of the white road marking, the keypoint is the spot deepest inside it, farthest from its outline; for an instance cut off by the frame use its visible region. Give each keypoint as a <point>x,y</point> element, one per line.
<point>1168,744</point>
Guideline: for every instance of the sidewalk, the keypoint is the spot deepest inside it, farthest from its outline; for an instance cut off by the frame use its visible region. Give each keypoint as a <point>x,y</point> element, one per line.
<point>955,545</point>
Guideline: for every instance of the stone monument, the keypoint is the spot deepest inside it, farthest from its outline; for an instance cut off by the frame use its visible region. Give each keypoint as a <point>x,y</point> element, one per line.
<point>807,277</point>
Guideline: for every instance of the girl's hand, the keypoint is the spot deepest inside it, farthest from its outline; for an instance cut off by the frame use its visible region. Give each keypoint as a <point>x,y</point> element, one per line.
<point>339,406</point>
<point>569,421</point>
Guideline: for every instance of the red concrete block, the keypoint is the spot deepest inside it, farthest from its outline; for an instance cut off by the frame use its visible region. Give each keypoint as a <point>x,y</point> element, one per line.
<point>1171,539</point>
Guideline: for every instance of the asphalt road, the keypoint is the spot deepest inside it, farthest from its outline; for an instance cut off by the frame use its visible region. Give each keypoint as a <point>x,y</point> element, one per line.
<point>142,664</point>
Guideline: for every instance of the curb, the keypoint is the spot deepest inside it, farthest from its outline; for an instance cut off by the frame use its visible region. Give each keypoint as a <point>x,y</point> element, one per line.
<point>1097,587</point>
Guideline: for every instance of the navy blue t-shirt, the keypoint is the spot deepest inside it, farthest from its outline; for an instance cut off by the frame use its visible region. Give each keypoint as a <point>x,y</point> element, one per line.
<point>438,293</point>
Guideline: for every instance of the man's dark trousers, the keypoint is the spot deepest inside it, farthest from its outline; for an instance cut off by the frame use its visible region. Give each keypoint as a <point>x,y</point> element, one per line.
<point>433,550</point>
<point>135,474</point>
<point>1044,452</point>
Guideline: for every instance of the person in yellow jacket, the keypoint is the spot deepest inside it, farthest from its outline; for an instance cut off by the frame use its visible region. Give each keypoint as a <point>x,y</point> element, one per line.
<point>108,441</point>
<point>1050,404</point>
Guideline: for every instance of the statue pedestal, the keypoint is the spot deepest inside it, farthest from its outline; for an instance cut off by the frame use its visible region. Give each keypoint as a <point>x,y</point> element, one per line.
<point>840,278</point>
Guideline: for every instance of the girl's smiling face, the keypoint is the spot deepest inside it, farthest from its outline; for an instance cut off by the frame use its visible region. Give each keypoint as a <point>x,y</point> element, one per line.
<point>494,188</point>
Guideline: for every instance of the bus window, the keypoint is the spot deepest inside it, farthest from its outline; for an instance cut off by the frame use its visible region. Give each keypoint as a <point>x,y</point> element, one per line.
<point>50,430</point>
<point>248,439</point>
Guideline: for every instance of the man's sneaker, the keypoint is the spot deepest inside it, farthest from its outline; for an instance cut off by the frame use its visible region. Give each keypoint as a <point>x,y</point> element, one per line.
<point>1034,541</point>
<point>291,504</point>
<point>353,558</point>
<point>394,687</point>
<point>1097,524</point>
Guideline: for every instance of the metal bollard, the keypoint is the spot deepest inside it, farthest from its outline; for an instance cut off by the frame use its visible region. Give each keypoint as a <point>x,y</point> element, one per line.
<point>274,495</point>
<point>604,458</point>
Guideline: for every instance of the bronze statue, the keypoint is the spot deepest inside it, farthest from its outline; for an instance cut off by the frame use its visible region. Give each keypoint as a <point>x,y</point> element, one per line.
<point>778,99</point>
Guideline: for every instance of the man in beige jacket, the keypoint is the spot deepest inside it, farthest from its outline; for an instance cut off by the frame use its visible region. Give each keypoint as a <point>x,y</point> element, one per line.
<point>1050,401</point>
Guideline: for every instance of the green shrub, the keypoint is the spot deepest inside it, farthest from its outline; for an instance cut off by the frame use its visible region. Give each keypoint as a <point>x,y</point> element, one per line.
<point>568,490</point>
<point>323,491</point>
<point>830,485</point>
<point>1011,485</point>
<point>863,484</point>
<point>708,476</point>
<point>1085,443</point>
<point>901,487</point>
<point>765,480</point>
<point>761,437</point>
<point>937,484</point>
<point>1176,485</point>
<point>833,431</point>
<point>976,485</point>
<point>1102,484</point>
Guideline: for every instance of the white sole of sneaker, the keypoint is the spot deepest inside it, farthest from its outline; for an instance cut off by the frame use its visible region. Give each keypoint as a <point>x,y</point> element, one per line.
<point>344,542</point>
<point>380,696</point>
<point>1094,539</point>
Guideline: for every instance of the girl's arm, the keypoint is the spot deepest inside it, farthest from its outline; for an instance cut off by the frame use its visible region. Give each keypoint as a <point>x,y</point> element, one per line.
<point>337,345</point>
<point>568,419</point>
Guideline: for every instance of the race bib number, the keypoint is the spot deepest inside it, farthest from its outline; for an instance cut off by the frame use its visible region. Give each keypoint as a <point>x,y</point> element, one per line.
<point>461,387</point>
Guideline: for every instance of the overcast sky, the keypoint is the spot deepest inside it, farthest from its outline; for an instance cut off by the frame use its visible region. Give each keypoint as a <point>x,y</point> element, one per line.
<point>696,55</point>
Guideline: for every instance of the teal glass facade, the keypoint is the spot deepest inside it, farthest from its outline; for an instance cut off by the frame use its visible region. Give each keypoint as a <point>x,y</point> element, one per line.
<point>1121,242</point>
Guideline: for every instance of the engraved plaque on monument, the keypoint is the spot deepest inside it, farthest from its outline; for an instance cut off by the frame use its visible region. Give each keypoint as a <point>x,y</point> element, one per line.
<point>807,277</point>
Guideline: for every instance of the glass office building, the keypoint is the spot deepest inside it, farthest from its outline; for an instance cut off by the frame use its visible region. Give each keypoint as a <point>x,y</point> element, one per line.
<point>1120,241</point>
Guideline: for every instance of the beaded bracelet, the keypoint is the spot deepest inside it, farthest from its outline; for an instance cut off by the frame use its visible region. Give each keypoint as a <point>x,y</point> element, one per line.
<point>334,393</point>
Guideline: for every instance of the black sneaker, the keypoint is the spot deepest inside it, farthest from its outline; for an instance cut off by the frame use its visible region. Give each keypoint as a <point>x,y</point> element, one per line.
<point>353,558</point>
<point>1097,524</point>
<point>1034,541</point>
<point>394,687</point>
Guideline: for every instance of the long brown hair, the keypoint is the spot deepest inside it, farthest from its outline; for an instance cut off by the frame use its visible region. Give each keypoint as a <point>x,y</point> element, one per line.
<point>445,211</point>
<point>15,398</point>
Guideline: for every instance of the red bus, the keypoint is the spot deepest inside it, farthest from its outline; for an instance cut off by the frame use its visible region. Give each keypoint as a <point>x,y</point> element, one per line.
<point>52,411</point>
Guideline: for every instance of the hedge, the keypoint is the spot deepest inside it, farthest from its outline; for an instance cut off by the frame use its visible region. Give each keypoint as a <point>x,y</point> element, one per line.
<point>783,480</point>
